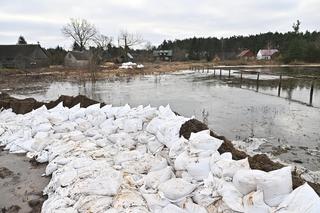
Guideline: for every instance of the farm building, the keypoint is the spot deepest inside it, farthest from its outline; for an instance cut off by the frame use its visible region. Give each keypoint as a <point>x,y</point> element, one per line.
<point>246,55</point>
<point>267,54</point>
<point>163,55</point>
<point>77,59</point>
<point>23,56</point>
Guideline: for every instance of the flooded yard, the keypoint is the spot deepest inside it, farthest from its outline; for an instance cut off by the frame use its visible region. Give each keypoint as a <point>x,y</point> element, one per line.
<point>237,110</point>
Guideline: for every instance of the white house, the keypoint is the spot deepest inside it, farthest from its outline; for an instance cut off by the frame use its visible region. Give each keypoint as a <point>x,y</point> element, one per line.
<point>266,54</point>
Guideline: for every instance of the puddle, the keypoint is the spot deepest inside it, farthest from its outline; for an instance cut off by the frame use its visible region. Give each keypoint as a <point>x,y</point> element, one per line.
<point>237,113</point>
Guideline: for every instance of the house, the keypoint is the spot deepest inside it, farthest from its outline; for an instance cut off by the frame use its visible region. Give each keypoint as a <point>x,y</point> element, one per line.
<point>23,56</point>
<point>77,59</point>
<point>163,55</point>
<point>246,55</point>
<point>267,54</point>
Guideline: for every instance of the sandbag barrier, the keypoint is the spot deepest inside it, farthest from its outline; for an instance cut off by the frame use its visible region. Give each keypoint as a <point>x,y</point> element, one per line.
<point>160,176</point>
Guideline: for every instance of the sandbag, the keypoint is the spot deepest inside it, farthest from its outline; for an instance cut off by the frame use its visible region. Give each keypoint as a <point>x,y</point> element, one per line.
<point>203,141</point>
<point>246,180</point>
<point>232,197</point>
<point>155,178</point>
<point>303,199</point>
<point>176,189</point>
<point>276,186</point>
<point>254,203</point>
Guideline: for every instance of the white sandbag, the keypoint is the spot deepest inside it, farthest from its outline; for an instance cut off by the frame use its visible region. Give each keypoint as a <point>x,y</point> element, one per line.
<point>122,139</point>
<point>178,147</point>
<point>158,163</point>
<point>176,189</point>
<point>246,180</point>
<point>227,168</point>
<point>56,202</point>
<point>155,202</point>
<point>183,160</point>
<point>154,125</point>
<point>254,203</point>
<point>232,197</point>
<point>64,127</point>
<point>166,112</point>
<point>132,125</point>
<point>276,186</point>
<point>43,127</point>
<point>92,109</point>
<point>203,141</point>
<point>93,203</point>
<point>155,146</point>
<point>191,207</point>
<point>127,156</point>
<point>199,170</point>
<point>155,178</point>
<point>126,199</point>
<point>172,209</point>
<point>107,184</point>
<point>303,199</point>
<point>77,112</point>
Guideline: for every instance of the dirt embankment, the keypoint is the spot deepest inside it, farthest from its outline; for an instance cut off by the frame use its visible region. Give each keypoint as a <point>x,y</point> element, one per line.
<point>260,161</point>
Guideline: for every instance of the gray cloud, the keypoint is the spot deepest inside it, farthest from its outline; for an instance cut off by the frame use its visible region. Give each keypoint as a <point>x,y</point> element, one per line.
<point>155,20</point>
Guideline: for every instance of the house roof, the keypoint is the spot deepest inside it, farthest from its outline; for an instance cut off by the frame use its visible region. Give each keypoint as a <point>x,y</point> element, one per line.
<point>269,52</point>
<point>12,51</point>
<point>80,55</point>
<point>244,52</point>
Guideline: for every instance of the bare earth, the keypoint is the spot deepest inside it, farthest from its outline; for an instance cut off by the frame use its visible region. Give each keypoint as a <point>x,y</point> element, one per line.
<point>21,184</point>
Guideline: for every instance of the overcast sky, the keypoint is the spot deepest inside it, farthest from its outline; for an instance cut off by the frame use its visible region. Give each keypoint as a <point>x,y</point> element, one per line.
<point>155,20</point>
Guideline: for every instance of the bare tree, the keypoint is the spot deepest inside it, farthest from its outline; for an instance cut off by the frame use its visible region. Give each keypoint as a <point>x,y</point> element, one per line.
<point>102,41</point>
<point>81,31</point>
<point>148,46</point>
<point>128,40</point>
<point>296,26</point>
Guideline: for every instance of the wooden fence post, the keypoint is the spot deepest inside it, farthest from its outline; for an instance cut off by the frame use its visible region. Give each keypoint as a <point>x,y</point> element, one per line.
<point>279,87</point>
<point>258,76</point>
<point>311,92</point>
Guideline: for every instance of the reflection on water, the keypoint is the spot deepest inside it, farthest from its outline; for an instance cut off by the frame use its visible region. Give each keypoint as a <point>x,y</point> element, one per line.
<point>232,111</point>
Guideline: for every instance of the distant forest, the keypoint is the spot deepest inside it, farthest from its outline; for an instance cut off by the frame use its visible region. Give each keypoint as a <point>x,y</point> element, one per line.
<point>293,46</point>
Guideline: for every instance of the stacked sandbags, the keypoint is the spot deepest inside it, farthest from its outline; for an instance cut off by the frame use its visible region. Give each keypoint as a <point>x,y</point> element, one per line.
<point>123,159</point>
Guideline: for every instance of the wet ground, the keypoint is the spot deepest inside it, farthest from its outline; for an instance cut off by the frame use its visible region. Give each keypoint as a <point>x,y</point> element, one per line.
<point>238,111</point>
<point>21,184</point>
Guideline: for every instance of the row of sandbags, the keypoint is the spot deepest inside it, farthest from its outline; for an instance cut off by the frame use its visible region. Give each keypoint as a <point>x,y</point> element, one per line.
<point>123,159</point>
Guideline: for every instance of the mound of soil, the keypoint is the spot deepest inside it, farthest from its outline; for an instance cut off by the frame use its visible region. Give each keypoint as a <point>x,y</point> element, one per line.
<point>22,106</point>
<point>260,162</point>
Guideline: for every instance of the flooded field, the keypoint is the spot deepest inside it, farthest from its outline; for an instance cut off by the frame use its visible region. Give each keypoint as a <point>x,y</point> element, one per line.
<point>238,109</point>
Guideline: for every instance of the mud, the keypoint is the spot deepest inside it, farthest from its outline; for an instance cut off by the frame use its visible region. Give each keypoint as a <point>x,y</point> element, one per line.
<point>5,172</point>
<point>260,161</point>
<point>22,106</point>
<point>21,184</point>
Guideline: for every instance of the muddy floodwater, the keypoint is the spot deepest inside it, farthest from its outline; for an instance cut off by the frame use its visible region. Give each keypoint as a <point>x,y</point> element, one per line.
<point>235,108</point>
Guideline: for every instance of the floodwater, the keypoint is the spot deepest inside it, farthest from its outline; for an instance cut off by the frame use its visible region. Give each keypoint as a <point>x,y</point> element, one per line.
<point>237,109</point>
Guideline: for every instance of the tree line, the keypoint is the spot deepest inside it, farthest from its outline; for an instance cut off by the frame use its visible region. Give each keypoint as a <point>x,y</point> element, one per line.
<point>293,46</point>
